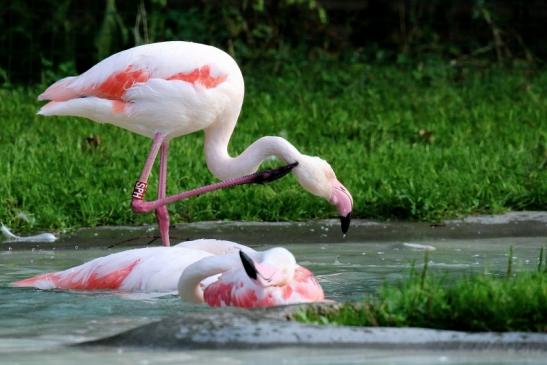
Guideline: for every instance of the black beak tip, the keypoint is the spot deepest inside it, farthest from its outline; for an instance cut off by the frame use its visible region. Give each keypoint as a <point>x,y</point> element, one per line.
<point>345,221</point>
<point>248,265</point>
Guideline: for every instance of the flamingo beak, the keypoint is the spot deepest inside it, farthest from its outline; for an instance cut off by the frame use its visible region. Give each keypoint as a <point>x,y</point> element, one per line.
<point>344,222</point>
<point>344,203</point>
<point>248,265</point>
<point>265,274</point>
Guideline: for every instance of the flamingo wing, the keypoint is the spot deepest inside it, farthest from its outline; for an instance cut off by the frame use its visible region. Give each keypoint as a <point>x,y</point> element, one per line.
<point>161,272</point>
<point>106,272</point>
<point>173,61</point>
<point>238,293</point>
<point>234,288</point>
<point>153,269</point>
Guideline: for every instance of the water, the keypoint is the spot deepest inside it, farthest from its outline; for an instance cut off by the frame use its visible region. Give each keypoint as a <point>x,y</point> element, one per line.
<point>36,326</point>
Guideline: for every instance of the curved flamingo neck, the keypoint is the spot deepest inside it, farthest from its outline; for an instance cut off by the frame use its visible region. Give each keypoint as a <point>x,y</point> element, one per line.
<point>189,283</point>
<point>224,166</point>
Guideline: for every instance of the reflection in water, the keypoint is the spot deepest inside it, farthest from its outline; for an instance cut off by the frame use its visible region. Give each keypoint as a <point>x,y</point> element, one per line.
<point>32,321</point>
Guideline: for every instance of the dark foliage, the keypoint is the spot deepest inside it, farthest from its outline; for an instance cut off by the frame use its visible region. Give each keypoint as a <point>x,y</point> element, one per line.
<point>66,35</point>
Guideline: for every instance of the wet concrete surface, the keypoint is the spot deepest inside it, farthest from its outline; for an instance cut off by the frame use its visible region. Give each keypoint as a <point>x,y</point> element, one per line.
<point>267,328</point>
<point>514,224</point>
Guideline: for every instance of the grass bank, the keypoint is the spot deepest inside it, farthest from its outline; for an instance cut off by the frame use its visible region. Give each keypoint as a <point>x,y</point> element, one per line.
<point>516,302</point>
<point>418,143</point>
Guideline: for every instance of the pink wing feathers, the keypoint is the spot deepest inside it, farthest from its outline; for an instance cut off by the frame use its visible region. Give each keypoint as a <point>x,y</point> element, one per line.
<point>157,87</point>
<point>98,274</point>
<point>110,78</point>
<point>152,269</point>
<point>117,83</point>
<point>79,280</point>
<point>240,291</point>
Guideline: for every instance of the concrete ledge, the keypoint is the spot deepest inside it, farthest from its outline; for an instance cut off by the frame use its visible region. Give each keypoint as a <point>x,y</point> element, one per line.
<point>512,224</point>
<point>252,329</point>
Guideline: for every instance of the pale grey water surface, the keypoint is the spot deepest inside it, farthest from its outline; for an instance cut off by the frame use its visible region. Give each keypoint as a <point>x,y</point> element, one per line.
<point>36,326</point>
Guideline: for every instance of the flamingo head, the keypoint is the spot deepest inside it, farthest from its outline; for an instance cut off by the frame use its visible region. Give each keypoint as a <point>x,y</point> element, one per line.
<point>276,268</point>
<point>317,176</point>
<point>284,281</point>
<point>270,278</point>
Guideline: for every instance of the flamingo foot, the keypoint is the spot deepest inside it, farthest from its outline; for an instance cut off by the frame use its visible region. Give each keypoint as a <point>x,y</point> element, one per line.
<point>266,176</point>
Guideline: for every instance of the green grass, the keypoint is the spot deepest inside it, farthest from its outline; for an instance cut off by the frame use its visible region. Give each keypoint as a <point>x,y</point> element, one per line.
<point>420,143</point>
<point>517,302</point>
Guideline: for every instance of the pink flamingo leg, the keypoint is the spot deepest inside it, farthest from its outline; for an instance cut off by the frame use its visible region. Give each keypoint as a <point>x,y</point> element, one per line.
<point>143,179</point>
<point>141,185</point>
<point>140,206</point>
<point>162,215</point>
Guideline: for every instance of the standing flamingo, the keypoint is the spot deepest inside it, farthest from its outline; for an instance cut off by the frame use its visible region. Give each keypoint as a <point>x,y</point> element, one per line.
<point>219,273</point>
<point>164,90</point>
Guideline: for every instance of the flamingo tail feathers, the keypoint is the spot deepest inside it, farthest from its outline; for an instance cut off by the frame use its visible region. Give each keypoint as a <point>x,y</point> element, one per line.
<point>91,107</point>
<point>89,276</point>
<point>42,281</point>
<point>60,90</point>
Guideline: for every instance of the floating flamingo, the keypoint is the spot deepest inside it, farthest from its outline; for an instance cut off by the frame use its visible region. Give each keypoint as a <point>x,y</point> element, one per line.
<point>169,89</point>
<point>219,273</point>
